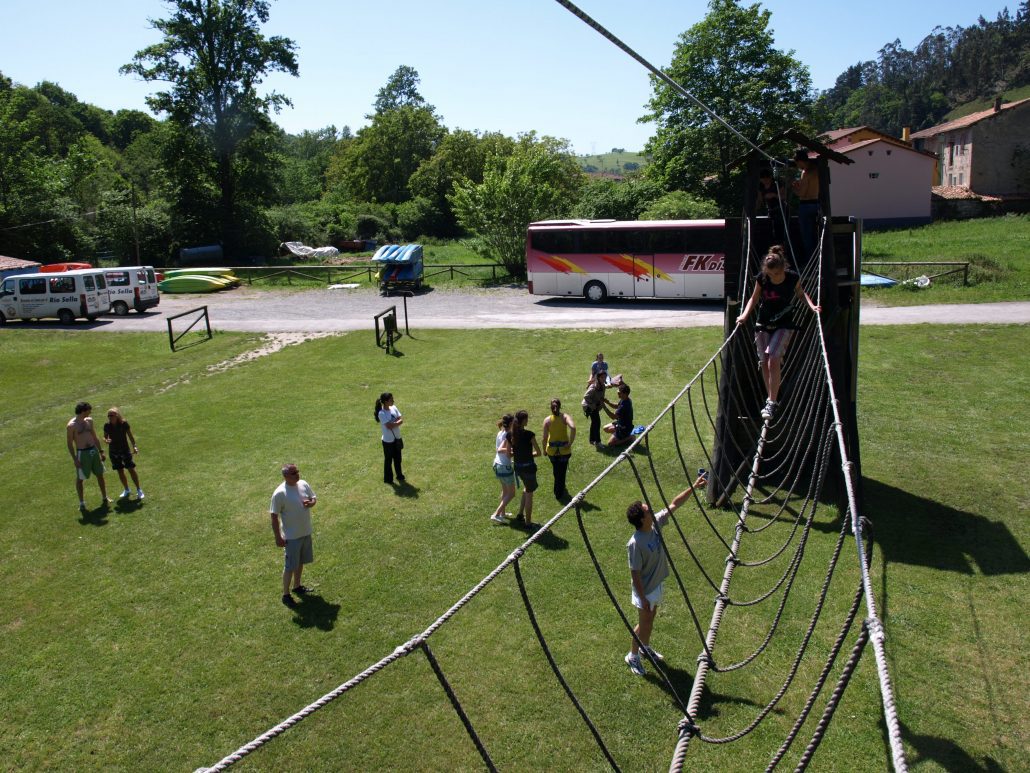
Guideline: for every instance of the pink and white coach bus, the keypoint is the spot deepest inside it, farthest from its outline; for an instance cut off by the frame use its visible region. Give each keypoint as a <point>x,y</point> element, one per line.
<point>626,258</point>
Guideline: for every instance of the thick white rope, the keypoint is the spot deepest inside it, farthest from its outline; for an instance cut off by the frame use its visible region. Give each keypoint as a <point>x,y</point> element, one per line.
<point>876,631</point>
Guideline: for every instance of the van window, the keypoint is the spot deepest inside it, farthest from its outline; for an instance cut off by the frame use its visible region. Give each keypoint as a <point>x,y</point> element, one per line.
<point>150,276</point>
<point>34,286</point>
<point>141,277</point>
<point>101,284</point>
<point>117,278</point>
<point>62,284</point>
<point>8,287</point>
<point>88,281</point>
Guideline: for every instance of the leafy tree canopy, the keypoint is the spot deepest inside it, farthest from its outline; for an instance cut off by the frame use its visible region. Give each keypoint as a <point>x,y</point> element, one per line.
<point>729,62</point>
<point>214,57</point>
<point>538,181</point>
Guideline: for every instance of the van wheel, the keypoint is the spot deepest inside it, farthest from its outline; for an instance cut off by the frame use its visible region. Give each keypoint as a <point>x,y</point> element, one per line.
<point>595,292</point>
<point>120,308</point>
<point>66,317</point>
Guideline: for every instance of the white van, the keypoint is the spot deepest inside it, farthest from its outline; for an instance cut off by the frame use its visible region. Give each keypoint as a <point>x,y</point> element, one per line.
<point>67,295</point>
<point>132,287</point>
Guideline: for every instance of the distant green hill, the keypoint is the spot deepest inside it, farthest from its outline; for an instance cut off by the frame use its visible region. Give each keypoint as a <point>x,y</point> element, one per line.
<point>620,162</point>
<point>1012,95</point>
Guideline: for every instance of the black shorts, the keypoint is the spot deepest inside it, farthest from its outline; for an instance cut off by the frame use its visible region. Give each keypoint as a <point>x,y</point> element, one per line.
<point>121,461</point>
<point>621,432</point>
<point>527,474</point>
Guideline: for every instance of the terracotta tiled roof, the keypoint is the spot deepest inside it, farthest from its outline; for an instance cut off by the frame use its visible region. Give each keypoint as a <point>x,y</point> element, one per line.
<point>959,192</point>
<point>964,121</point>
<point>893,145</point>
<point>835,134</point>
<point>9,263</point>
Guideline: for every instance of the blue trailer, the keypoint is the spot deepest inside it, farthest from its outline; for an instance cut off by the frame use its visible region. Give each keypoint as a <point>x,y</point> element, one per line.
<point>400,267</point>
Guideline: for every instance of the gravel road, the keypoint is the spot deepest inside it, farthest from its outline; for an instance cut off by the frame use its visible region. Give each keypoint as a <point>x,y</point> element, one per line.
<point>324,310</point>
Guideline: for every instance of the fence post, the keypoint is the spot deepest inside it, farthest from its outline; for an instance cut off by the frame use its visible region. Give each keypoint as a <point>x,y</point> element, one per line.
<point>965,275</point>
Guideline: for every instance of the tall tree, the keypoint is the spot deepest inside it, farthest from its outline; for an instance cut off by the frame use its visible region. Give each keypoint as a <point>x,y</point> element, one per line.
<point>405,131</point>
<point>214,56</point>
<point>539,180</point>
<point>729,62</point>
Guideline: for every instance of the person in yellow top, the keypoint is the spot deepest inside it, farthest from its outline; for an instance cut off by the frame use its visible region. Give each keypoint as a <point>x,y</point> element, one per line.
<point>807,190</point>
<point>559,435</point>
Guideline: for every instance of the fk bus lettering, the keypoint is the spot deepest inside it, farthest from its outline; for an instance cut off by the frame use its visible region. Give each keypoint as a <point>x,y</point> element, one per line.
<point>702,263</point>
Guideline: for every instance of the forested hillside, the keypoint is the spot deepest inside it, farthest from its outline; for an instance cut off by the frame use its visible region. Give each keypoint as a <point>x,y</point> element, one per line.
<point>918,88</point>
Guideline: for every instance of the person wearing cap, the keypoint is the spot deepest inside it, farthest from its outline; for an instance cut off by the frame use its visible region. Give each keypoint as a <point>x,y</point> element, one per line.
<point>291,525</point>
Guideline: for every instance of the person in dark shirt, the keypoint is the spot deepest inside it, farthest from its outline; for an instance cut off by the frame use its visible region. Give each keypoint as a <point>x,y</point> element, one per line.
<point>621,430</point>
<point>118,436</point>
<point>776,287</point>
<point>524,449</point>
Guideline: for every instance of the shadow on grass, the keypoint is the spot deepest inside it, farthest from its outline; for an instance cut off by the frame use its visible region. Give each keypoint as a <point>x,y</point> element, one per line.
<point>128,505</point>
<point>405,490</point>
<point>313,611</point>
<point>548,541</point>
<point>682,682</point>
<point>94,517</point>
<point>914,530</point>
<point>944,751</point>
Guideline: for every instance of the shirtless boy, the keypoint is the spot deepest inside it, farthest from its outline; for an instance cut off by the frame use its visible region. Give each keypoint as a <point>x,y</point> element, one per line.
<point>84,446</point>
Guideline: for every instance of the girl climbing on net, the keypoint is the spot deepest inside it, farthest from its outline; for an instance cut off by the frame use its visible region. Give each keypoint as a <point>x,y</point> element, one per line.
<point>776,287</point>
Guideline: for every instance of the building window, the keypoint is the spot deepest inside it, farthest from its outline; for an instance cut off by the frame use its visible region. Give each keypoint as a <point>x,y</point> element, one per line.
<point>873,175</point>
<point>960,176</point>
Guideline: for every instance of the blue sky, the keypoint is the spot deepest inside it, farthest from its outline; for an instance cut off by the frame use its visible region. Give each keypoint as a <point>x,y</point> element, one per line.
<point>486,65</point>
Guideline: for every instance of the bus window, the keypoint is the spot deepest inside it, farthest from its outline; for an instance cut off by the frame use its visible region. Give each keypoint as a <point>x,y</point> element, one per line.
<point>668,240</point>
<point>629,240</point>
<point>554,242</point>
<point>34,286</point>
<point>62,284</point>
<point>593,242</point>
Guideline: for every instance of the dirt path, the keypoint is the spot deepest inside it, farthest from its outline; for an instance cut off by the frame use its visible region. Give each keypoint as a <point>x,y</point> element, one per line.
<point>325,311</point>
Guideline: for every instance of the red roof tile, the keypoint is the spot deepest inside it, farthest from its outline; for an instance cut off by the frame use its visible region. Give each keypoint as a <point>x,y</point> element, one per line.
<point>964,121</point>
<point>9,263</point>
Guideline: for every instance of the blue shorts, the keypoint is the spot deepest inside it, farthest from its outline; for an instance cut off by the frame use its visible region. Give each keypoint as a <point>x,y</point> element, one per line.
<point>505,473</point>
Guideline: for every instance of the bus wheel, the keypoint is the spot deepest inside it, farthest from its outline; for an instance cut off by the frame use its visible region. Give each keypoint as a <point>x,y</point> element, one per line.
<point>66,317</point>
<point>120,308</point>
<point>595,292</point>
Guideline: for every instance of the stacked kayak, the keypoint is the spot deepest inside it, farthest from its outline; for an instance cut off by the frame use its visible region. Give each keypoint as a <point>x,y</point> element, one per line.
<point>401,266</point>
<point>197,280</point>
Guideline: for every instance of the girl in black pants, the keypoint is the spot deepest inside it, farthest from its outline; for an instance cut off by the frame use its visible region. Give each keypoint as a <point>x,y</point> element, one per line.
<point>390,420</point>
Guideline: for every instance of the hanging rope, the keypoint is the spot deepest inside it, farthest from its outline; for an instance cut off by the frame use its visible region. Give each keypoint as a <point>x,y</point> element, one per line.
<point>557,671</point>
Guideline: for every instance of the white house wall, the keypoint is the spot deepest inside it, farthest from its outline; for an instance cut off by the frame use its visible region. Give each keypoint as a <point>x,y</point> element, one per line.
<point>887,185</point>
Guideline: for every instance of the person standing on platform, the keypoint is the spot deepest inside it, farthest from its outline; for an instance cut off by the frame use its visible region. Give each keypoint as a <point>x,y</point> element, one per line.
<point>807,190</point>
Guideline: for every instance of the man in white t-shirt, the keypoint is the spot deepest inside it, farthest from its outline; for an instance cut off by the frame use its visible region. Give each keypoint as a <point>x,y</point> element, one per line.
<point>291,524</point>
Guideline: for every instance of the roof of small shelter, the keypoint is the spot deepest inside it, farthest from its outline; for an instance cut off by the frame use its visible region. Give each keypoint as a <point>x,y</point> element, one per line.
<point>7,263</point>
<point>798,138</point>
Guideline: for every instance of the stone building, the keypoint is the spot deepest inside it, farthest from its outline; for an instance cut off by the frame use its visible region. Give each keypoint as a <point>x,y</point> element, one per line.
<point>987,152</point>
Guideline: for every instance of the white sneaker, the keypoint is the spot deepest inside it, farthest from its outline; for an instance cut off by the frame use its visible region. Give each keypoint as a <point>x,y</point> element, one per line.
<point>769,409</point>
<point>124,494</point>
<point>498,518</point>
<point>633,661</point>
<point>655,654</point>
<point>139,494</point>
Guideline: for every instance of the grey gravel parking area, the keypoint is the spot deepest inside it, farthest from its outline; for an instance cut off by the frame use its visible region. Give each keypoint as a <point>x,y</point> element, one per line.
<point>323,310</point>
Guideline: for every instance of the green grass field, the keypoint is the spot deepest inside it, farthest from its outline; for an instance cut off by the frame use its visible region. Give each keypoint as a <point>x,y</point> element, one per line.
<point>997,249</point>
<point>153,637</point>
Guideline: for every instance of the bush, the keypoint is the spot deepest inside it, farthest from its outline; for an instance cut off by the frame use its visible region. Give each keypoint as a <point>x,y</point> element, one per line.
<point>680,205</point>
